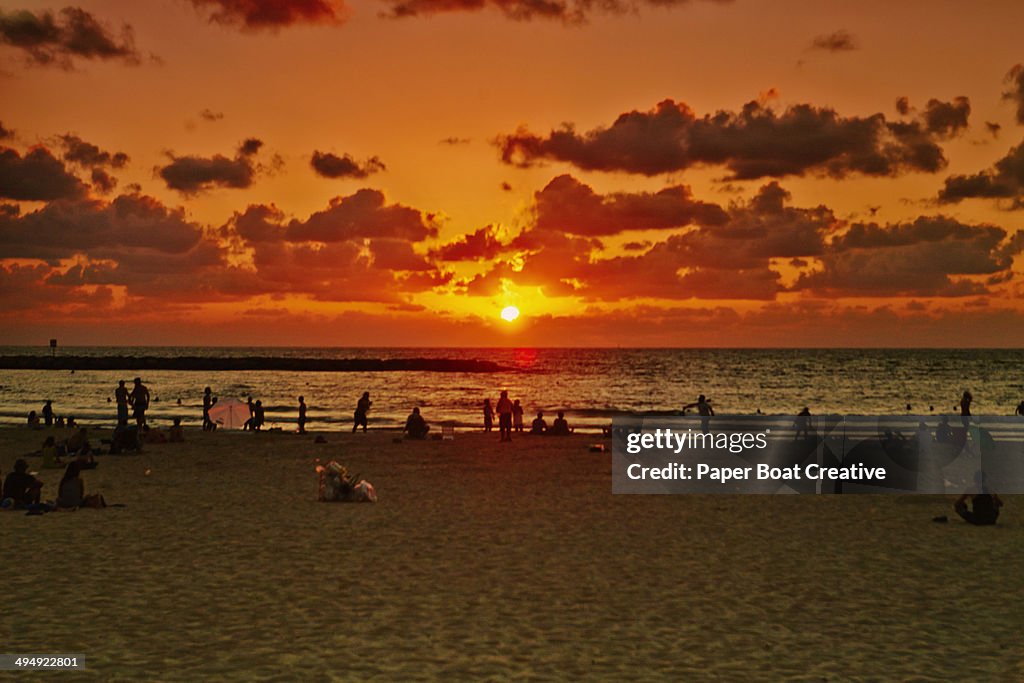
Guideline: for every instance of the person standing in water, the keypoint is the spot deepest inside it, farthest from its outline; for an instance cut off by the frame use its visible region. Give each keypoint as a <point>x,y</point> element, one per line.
<point>488,415</point>
<point>121,396</point>
<point>965,409</point>
<point>517,415</point>
<point>302,415</point>
<point>139,400</point>
<point>208,402</point>
<point>362,408</point>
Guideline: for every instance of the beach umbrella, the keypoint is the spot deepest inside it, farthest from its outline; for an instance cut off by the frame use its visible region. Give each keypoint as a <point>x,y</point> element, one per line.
<point>230,413</point>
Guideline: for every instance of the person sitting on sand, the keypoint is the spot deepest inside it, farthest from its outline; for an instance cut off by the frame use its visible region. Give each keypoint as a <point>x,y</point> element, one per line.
<point>560,427</point>
<point>51,454</point>
<point>415,426</point>
<point>153,435</point>
<point>33,420</point>
<point>72,424</point>
<point>71,493</point>
<point>539,425</point>
<point>944,433</point>
<point>21,487</point>
<point>176,434</point>
<point>984,508</point>
<point>517,416</point>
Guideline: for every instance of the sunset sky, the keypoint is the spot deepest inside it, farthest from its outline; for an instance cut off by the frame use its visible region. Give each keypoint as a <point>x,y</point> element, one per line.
<point>626,173</point>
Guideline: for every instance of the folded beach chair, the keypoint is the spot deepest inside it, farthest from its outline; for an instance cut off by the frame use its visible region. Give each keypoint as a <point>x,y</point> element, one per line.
<point>448,431</point>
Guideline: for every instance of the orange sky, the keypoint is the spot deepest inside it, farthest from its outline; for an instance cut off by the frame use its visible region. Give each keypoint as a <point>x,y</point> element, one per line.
<point>823,214</point>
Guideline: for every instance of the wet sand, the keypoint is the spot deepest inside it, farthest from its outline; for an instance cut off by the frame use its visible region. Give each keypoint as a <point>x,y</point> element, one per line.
<point>494,561</point>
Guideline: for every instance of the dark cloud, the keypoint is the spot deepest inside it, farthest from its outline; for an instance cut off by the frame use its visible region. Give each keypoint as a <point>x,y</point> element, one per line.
<point>455,141</point>
<point>1015,94</point>
<point>103,182</point>
<point>753,143</point>
<point>928,257</point>
<point>903,105</point>
<point>567,11</point>
<point>1004,181</point>
<point>475,246</point>
<point>364,214</point>
<point>5,132</point>
<point>193,174</point>
<point>88,155</point>
<point>102,229</point>
<point>567,204</point>
<point>332,166</point>
<point>506,186</point>
<point>837,41</point>
<point>993,128</point>
<point>272,14</point>
<point>210,115</point>
<point>38,176</point>
<point>56,40</point>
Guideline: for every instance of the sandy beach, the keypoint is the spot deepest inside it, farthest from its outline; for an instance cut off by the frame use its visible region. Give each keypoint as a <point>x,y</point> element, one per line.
<point>485,560</point>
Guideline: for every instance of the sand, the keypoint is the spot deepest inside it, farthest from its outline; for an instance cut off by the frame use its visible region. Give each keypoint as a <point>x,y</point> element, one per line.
<point>493,561</point>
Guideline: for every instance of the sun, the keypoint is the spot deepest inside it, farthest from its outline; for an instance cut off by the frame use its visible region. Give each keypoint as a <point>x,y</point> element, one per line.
<point>509,313</point>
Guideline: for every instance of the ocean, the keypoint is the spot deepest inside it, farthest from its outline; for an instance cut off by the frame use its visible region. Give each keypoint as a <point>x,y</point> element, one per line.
<point>590,385</point>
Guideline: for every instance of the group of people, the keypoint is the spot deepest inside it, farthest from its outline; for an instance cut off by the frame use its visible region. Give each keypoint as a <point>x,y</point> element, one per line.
<point>23,491</point>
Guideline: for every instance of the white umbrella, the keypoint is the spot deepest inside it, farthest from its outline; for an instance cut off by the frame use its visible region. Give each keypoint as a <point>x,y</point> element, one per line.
<point>230,413</point>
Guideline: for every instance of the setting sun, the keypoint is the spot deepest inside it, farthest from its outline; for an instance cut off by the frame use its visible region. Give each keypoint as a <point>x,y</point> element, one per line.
<point>509,313</point>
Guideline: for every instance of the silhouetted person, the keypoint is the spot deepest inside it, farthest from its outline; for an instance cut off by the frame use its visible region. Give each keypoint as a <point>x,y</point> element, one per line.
<point>983,511</point>
<point>704,409</point>
<point>944,433</point>
<point>121,396</point>
<point>560,427</point>
<point>362,408</point>
<point>258,416</point>
<point>22,487</point>
<point>209,400</point>
<point>48,413</point>
<point>71,493</point>
<point>517,415</point>
<point>965,408</point>
<point>539,426</point>
<point>415,426</point>
<point>302,415</point>
<point>139,400</point>
<point>488,415</point>
<point>33,420</point>
<point>504,409</point>
<point>803,423</point>
<point>1020,409</point>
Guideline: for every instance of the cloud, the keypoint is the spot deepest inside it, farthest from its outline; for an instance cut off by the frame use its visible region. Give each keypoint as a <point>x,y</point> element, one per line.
<point>1015,94</point>
<point>272,14</point>
<point>1004,181</point>
<point>103,182</point>
<point>927,257</point>
<point>364,214</point>
<point>88,155</point>
<point>475,246</point>
<point>56,40</point>
<point>5,132</point>
<point>102,229</point>
<point>210,115</point>
<point>837,41</point>
<point>38,176</point>
<point>453,141</point>
<point>332,166</point>
<point>993,128</point>
<point>567,11</point>
<point>755,142</point>
<point>567,204</point>
<point>191,175</point>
